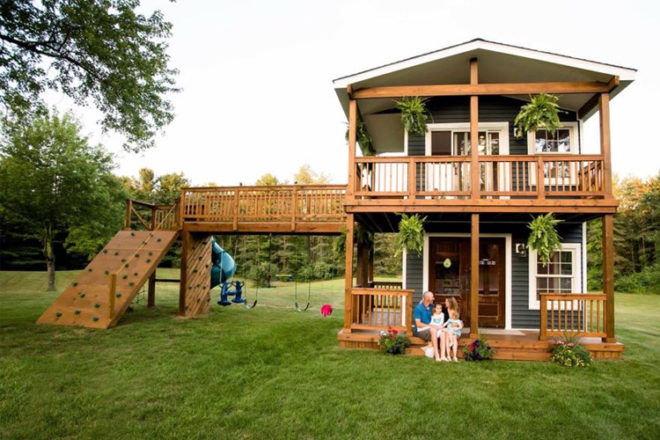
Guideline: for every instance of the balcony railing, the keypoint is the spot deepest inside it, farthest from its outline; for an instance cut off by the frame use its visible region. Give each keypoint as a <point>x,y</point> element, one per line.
<point>381,309</point>
<point>511,176</point>
<point>283,203</point>
<point>573,314</point>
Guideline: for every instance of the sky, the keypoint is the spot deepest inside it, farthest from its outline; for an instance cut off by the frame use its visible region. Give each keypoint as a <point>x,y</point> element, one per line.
<point>256,76</point>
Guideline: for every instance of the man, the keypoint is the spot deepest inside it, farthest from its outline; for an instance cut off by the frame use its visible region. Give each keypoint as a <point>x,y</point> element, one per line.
<point>422,320</point>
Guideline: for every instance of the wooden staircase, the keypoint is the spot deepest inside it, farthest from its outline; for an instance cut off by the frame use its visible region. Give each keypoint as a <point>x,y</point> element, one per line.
<point>90,301</point>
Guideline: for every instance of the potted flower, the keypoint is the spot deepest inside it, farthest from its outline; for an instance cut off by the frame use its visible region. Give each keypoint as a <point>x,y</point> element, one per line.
<point>569,353</point>
<point>478,350</point>
<point>393,342</point>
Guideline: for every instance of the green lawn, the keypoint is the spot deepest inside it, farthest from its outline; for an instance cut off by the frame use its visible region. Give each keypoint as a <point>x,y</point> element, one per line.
<point>275,373</point>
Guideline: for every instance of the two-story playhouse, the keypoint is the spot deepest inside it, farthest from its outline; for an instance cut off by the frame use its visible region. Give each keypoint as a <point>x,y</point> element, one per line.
<point>477,203</point>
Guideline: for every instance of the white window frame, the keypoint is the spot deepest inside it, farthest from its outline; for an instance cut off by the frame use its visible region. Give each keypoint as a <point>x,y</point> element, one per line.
<point>501,127</point>
<point>573,136</point>
<point>576,249</point>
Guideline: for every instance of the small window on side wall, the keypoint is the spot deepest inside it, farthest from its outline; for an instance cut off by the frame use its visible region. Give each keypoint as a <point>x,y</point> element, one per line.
<point>563,141</point>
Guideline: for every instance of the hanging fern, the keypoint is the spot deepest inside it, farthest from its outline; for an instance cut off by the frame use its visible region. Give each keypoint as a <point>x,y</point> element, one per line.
<point>413,114</point>
<point>411,233</point>
<point>543,237</point>
<point>363,138</point>
<point>541,112</point>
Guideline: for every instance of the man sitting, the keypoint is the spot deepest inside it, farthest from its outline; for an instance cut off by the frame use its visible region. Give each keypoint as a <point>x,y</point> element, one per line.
<point>422,323</point>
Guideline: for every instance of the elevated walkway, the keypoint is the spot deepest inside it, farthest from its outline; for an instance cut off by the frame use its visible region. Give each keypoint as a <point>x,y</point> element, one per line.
<point>127,261</point>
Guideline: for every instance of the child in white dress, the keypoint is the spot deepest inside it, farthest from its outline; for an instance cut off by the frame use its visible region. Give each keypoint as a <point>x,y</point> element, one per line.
<point>453,327</point>
<point>437,329</point>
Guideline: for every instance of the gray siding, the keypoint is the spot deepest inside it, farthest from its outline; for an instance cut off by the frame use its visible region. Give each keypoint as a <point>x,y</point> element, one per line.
<point>521,315</point>
<point>416,146</point>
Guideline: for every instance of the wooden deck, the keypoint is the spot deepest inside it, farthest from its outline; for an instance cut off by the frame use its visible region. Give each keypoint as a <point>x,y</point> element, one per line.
<point>517,345</point>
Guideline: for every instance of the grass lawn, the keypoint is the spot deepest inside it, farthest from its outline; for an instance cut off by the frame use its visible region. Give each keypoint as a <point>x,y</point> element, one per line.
<point>275,373</point>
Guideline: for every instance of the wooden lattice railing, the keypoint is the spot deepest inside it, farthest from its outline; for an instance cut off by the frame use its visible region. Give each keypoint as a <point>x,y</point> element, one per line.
<point>381,309</point>
<point>150,216</point>
<point>282,203</point>
<point>389,285</point>
<point>506,176</point>
<point>574,314</point>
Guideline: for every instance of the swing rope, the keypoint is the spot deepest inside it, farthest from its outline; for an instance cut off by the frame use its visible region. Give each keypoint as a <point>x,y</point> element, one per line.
<point>309,286</point>
<point>256,290</point>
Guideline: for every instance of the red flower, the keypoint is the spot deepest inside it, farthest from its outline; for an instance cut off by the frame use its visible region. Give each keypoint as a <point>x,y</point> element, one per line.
<point>394,331</point>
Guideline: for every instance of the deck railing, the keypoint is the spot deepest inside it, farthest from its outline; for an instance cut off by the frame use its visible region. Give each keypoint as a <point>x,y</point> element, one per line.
<point>389,285</point>
<point>381,309</point>
<point>283,203</point>
<point>150,216</point>
<point>507,176</point>
<point>574,314</point>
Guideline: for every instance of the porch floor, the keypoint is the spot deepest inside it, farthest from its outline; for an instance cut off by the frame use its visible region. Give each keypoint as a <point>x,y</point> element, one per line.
<point>523,345</point>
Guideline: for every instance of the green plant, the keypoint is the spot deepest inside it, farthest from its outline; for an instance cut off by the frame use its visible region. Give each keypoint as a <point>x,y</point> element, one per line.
<point>393,342</point>
<point>363,138</point>
<point>569,353</point>
<point>478,350</point>
<point>541,112</point>
<point>413,114</point>
<point>411,233</point>
<point>543,237</point>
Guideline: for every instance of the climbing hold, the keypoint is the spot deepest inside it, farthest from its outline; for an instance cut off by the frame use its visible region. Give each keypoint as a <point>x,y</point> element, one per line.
<point>148,260</point>
<point>74,284</point>
<point>159,240</point>
<point>118,295</point>
<point>123,277</point>
<point>76,312</point>
<point>58,314</point>
<point>105,251</point>
<point>95,319</point>
<point>194,270</point>
<point>106,272</point>
<point>199,299</point>
<point>131,283</point>
<point>132,234</point>
<point>116,253</point>
<point>89,269</point>
<point>123,260</point>
<point>135,274</point>
<point>126,265</point>
<point>82,295</point>
<point>150,253</point>
<point>97,305</point>
<point>137,255</point>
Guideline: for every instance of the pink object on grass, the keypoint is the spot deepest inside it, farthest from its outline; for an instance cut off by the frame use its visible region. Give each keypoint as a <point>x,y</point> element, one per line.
<point>326,310</point>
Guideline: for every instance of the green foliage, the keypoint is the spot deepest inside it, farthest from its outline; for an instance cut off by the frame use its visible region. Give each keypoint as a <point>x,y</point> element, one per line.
<point>413,114</point>
<point>55,183</point>
<point>393,342</point>
<point>478,350</point>
<point>645,281</point>
<point>569,353</point>
<point>160,190</point>
<point>411,234</point>
<point>103,51</point>
<point>541,112</point>
<point>543,237</point>
<point>363,138</point>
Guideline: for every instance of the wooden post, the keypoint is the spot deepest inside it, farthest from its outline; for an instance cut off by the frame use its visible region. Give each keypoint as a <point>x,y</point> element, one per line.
<point>127,220</point>
<point>111,295</point>
<point>371,263</point>
<point>348,300</point>
<point>363,252</point>
<point>608,275</point>
<point>543,330</point>
<point>151,292</point>
<point>474,277</point>
<point>294,207</point>
<point>183,286</point>
<point>474,132</point>
<point>236,207</point>
<point>352,139</point>
<point>540,178</point>
<point>604,113</point>
<point>412,180</point>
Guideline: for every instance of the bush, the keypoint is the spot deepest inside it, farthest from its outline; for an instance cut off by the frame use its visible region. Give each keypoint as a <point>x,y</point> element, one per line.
<point>646,281</point>
<point>479,350</point>
<point>393,342</point>
<point>570,354</point>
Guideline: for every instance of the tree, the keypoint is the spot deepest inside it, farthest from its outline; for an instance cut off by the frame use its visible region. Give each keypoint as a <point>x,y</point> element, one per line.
<point>306,176</point>
<point>53,182</point>
<point>267,179</point>
<point>100,51</point>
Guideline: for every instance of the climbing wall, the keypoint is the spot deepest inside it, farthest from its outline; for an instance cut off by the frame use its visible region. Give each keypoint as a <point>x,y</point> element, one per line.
<point>197,288</point>
<point>90,301</point>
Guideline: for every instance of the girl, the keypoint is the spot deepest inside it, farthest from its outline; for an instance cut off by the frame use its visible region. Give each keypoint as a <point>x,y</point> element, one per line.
<point>437,330</point>
<point>454,327</point>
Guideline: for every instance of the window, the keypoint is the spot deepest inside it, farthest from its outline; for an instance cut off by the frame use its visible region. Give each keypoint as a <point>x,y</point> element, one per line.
<point>563,141</point>
<point>560,275</point>
<point>489,143</point>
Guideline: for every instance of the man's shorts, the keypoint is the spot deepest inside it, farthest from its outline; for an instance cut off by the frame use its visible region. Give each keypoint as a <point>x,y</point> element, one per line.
<point>424,333</point>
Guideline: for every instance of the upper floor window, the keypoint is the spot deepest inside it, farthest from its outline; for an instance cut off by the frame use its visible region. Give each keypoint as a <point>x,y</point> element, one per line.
<point>563,141</point>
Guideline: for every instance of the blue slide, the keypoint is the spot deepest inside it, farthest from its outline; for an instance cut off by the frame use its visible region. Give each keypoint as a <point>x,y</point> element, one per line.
<point>222,269</point>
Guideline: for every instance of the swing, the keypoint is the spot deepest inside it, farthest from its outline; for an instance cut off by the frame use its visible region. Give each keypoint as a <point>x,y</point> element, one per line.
<point>256,289</point>
<point>256,293</point>
<point>309,288</point>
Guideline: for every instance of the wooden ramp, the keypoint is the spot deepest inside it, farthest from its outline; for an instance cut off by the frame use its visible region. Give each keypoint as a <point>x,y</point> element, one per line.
<point>132,256</point>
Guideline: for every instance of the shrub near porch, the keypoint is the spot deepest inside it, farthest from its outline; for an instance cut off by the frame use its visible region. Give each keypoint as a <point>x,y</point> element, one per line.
<point>276,373</point>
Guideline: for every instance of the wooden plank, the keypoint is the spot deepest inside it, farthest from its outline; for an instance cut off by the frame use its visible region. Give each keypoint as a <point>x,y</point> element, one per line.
<point>352,138</point>
<point>474,148</point>
<point>348,268</point>
<point>608,275</point>
<point>185,251</point>
<point>482,89</point>
<point>151,292</point>
<point>604,112</point>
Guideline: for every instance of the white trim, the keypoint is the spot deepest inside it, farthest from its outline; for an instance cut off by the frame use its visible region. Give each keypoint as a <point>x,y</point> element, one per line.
<point>507,269</point>
<point>404,262</point>
<point>501,127</point>
<point>574,139</point>
<point>532,262</point>
<point>405,142</point>
<point>625,74</point>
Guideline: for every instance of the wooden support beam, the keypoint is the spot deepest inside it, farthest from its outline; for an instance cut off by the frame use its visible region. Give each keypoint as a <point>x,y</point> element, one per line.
<point>474,277</point>
<point>127,217</point>
<point>151,292</point>
<point>363,253</point>
<point>352,139</point>
<point>482,89</point>
<point>474,132</point>
<point>185,251</point>
<point>608,275</point>
<point>604,112</point>
<point>348,285</point>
